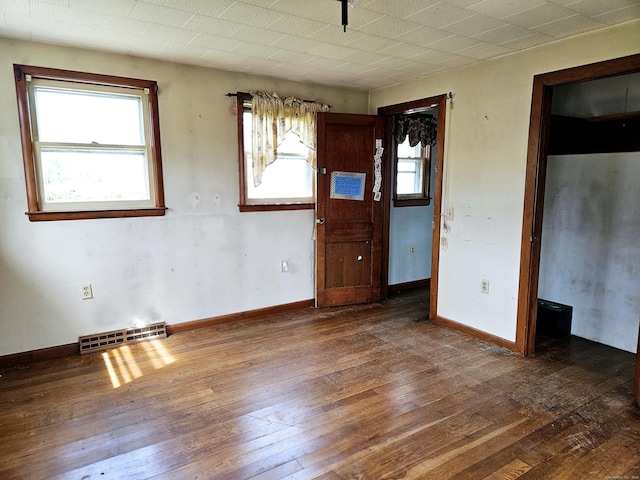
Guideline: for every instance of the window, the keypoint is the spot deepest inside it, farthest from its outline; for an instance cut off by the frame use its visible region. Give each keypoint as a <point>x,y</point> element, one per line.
<point>413,163</point>
<point>413,168</point>
<point>91,145</point>
<point>287,184</point>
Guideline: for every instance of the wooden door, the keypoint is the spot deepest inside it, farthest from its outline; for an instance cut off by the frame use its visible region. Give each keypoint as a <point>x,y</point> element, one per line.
<point>348,212</point>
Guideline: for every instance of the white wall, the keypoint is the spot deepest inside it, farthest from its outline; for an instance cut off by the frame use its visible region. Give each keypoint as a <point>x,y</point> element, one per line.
<point>485,160</point>
<point>590,254</point>
<point>202,259</point>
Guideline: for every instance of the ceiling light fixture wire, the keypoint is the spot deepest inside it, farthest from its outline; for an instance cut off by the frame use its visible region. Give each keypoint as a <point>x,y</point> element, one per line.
<point>345,13</point>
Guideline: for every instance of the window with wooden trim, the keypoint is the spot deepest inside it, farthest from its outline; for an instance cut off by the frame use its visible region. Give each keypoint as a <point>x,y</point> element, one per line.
<point>90,143</point>
<point>286,184</point>
<point>413,167</point>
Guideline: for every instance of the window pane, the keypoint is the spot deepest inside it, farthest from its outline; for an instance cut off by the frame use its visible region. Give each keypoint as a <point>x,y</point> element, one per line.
<point>407,151</point>
<point>66,116</point>
<point>284,178</point>
<point>93,176</point>
<point>409,179</point>
<point>289,177</point>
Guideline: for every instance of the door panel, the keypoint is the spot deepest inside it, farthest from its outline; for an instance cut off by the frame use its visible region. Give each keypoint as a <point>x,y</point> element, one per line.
<point>349,232</point>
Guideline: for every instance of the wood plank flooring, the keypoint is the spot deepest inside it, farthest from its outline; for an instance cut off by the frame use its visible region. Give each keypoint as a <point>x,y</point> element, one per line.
<point>363,392</point>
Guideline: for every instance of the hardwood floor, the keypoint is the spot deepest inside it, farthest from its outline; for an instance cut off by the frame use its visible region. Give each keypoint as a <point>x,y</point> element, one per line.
<point>365,392</point>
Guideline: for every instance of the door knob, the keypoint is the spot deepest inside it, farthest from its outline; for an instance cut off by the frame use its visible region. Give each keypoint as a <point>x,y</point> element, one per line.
<point>320,221</point>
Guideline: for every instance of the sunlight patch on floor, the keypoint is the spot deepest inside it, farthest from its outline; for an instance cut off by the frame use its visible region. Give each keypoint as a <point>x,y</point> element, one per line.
<point>123,367</point>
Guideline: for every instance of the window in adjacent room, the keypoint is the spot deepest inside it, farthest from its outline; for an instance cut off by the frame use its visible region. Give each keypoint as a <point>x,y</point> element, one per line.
<point>413,166</point>
<point>288,180</point>
<point>91,144</point>
<point>414,135</point>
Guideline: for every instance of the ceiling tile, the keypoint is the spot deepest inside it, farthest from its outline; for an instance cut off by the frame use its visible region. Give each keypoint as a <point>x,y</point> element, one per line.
<point>171,34</point>
<point>324,62</point>
<point>403,50</point>
<point>215,42</point>
<point>540,15</point>
<point>569,26</point>
<point>485,50</point>
<point>182,52</point>
<point>372,43</point>
<point>393,62</point>
<point>333,51</point>
<point>225,59</point>
<point>619,16</point>
<point>257,35</point>
<point>59,14</point>
<point>295,25</point>
<point>255,50</point>
<point>532,40</point>
<point>388,26</point>
<point>336,36</point>
<point>366,58</point>
<point>423,36</point>
<point>15,7</point>
<point>289,56</point>
<point>211,8</point>
<point>434,57</point>
<point>504,34</point>
<point>119,24</point>
<point>458,61</point>
<point>323,11</point>
<point>251,15</point>
<point>591,8</point>
<point>297,44</point>
<point>138,45</point>
<point>214,26</point>
<point>400,9</point>
<point>114,7</point>
<point>463,3</point>
<point>502,8</point>
<point>439,15</point>
<point>474,25</point>
<point>158,14</point>
<point>454,43</point>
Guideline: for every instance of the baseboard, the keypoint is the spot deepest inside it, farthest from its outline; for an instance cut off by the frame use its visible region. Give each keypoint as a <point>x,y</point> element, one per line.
<point>23,358</point>
<point>234,317</point>
<point>473,332</point>
<point>401,287</point>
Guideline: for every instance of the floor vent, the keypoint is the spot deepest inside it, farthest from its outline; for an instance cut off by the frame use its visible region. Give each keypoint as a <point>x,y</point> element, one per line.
<point>102,341</point>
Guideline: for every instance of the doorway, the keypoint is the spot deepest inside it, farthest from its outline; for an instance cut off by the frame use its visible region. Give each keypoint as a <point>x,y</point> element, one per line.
<point>436,107</point>
<point>536,170</point>
<point>538,149</point>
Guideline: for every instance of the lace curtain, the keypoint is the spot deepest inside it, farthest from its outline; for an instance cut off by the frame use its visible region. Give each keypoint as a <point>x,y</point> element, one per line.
<point>421,128</point>
<point>273,117</point>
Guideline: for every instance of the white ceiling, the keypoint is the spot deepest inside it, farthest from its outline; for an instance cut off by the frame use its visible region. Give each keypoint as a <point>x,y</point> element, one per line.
<point>386,42</point>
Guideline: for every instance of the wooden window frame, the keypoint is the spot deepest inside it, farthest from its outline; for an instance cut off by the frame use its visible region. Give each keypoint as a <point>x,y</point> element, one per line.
<point>243,204</point>
<point>407,108</point>
<point>34,212</point>
<point>412,200</point>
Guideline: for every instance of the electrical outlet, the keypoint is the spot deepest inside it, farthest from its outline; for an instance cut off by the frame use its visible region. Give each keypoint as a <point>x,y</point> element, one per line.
<point>484,286</point>
<point>86,292</point>
<point>284,266</point>
<point>412,250</point>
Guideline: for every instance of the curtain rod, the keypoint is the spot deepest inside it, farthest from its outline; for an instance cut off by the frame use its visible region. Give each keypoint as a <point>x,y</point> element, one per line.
<point>232,94</point>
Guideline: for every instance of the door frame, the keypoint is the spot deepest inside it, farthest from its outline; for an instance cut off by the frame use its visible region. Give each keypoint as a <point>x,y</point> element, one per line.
<point>415,106</point>
<point>536,170</point>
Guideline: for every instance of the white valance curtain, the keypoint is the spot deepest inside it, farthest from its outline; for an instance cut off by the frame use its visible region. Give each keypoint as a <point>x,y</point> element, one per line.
<point>272,118</point>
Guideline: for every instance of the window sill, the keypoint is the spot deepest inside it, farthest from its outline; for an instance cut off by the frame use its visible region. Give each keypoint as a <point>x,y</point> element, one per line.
<point>89,214</point>
<point>267,207</point>
<point>411,202</point>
